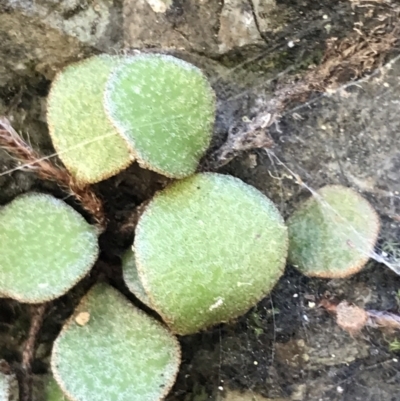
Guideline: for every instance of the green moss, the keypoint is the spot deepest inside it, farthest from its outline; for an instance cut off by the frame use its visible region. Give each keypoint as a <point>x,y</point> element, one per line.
<point>333,235</point>
<point>207,249</point>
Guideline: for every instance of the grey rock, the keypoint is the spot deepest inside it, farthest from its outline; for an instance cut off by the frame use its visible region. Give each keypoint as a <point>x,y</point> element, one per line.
<point>206,27</point>
<point>264,11</point>
<point>40,37</point>
<point>238,27</point>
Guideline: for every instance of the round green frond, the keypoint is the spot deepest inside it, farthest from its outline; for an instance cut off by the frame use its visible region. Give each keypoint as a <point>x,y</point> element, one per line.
<point>119,354</point>
<point>131,277</point>
<point>85,140</point>
<point>165,108</point>
<point>46,247</point>
<point>207,249</point>
<point>53,391</point>
<point>332,234</point>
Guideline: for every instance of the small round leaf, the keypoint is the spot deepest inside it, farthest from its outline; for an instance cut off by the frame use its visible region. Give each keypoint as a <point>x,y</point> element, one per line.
<point>208,248</point>
<point>165,108</point>
<point>121,354</point>
<point>85,140</point>
<point>333,234</point>
<point>46,247</point>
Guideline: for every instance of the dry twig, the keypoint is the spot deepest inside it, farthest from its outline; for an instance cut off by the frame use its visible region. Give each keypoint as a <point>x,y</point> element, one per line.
<point>30,160</point>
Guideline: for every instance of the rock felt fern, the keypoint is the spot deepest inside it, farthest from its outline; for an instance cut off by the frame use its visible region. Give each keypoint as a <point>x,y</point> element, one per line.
<point>165,108</point>
<point>46,247</point>
<point>207,249</point>
<point>85,140</point>
<point>120,354</point>
<point>334,234</point>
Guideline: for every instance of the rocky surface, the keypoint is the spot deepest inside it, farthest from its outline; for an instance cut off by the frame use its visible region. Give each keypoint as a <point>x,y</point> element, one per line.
<point>40,37</point>
<point>205,27</point>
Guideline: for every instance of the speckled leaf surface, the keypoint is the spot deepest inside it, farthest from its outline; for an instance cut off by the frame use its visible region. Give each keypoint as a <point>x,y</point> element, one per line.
<point>132,279</point>
<point>121,354</point>
<point>334,234</point>
<point>207,249</point>
<point>87,143</point>
<point>165,108</point>
<point>45,247</point>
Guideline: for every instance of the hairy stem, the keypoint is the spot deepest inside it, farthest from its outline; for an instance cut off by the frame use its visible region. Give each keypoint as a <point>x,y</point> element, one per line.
<point>11,142</point>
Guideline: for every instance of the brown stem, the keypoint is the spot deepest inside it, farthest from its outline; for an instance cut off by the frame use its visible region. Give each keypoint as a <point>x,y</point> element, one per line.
<point>28,352</point>
<point>32,161</point>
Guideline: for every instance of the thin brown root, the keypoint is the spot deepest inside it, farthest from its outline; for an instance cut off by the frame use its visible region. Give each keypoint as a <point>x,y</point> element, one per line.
<point>28,353</point>
<point>30,160</point>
